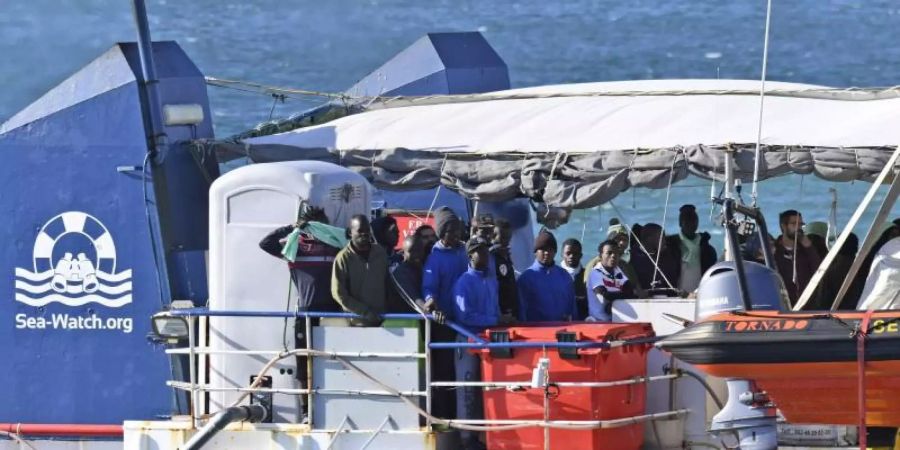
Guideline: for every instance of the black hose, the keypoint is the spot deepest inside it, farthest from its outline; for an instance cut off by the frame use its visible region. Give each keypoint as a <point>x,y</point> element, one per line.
<point>716,399</point>
<point>249,413</point>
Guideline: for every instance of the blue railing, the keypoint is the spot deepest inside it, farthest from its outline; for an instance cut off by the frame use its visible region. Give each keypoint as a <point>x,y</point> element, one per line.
<point>479,342</point>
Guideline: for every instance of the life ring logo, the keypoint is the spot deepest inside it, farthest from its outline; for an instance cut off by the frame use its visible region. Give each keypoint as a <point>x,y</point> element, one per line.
<point>74,263</point>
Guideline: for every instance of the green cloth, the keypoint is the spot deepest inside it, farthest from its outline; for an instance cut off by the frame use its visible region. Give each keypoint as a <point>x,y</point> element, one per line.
<point>359,284</point>
<point>327,234</point>
<point>291,244</point>
<point>690,250</point>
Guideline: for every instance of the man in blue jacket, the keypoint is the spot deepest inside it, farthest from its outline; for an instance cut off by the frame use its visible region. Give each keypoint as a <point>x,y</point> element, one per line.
<point>546,292</point>
<point>446,262</point>
<point>476,307</point>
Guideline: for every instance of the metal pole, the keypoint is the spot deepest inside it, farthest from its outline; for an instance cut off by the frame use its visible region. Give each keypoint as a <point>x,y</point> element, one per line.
<point>149,83</point>
<point>309,372</point>
<point>192,361</point>
<point>730,250</point>
<point>731,236</point>
<point>428,373</point>
<point>848,228</point>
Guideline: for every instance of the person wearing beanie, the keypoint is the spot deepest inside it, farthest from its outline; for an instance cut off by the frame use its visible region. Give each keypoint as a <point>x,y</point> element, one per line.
<point>546,291</point>
<point>475,308</point>
<point>444,265</point>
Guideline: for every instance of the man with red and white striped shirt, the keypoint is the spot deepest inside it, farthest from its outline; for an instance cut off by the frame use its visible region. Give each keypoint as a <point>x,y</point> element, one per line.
<point>607,282</point>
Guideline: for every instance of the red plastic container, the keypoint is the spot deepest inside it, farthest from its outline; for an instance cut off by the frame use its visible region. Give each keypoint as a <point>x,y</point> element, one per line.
<point>569,403</point>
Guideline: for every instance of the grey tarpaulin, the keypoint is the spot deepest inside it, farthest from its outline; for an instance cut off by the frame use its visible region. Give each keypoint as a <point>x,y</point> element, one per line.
<point>568,180</point>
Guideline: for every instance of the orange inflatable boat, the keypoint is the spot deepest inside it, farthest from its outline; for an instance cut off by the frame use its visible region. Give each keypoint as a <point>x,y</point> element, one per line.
<point>809,363</point>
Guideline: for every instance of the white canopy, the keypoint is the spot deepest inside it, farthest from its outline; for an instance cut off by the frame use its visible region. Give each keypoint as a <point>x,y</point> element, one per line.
<point>609,116</point>
<point>580,145</point>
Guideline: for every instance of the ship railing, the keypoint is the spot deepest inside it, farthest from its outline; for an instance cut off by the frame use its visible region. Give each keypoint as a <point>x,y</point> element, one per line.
<point>196,389</point>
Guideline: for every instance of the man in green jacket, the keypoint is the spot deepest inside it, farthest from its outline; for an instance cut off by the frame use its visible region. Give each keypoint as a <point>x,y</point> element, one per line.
<point>359,277</point>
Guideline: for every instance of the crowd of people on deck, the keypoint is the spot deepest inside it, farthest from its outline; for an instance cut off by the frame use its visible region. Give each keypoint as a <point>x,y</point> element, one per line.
<point>466,274</point>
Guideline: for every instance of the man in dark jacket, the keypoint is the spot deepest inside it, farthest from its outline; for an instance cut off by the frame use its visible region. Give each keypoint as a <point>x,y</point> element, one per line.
<point>311,268</point>
<point>658,267</point>
<point>571,263</point>
<point>310,277</point>
<point>506,273</point>
<point>406,278</point>
<point>692,249</point>
<point>795,256</point>
<point>358,280</point>
<point>386,234</point>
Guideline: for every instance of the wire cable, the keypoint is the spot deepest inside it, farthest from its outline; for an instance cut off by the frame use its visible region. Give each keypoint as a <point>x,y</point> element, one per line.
<point>762,98</point>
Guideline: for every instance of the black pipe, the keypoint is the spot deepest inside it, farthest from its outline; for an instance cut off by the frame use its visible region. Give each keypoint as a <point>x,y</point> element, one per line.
<point>149,84</point>
<point>249,413</point>
<point>731,234</point>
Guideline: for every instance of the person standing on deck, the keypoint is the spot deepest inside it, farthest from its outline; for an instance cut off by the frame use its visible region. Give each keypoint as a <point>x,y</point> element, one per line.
<point>476,307</point>
<point>795,256</point>
<point>659,266</point>
<point>311,268</point>
<point>571,263</point>
<point>429,237</point>
<point>310,278</point>
<point>406,279</point>
<point>506,272</point>
<point>692,248</point>
<point>387,235</point>
<point>618,233</point>
<point>358,280</point>
<point>607,283</point>
<point>446,262</point>
<point>546,291</point>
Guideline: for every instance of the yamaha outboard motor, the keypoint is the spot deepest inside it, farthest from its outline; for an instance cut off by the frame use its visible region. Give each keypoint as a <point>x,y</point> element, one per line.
<point>748,414</point>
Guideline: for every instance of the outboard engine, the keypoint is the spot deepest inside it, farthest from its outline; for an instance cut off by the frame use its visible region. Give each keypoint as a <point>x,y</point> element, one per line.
<point>748,413</point>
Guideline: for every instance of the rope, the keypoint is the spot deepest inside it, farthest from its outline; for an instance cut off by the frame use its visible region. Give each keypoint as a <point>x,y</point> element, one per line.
<point>437,191</point>
<point>379,102</point>
<point>762,97</point>
<point>640,244</point>
<point>16,437</point>
<point>249,86</point>
<point>447,422</point>
<point>662,235</point>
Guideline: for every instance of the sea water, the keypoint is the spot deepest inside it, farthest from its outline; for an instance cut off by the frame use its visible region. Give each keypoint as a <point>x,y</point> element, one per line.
<point>328,45</point>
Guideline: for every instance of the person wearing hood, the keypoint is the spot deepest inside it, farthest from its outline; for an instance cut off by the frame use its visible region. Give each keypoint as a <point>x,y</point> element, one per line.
<point>546,291</point>
<point>476,308</point>
<point>817,232</point>
<point>571,263</point>
<point>446,262</point>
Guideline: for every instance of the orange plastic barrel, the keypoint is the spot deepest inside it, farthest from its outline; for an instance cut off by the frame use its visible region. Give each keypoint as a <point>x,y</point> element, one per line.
<point>565,402</point>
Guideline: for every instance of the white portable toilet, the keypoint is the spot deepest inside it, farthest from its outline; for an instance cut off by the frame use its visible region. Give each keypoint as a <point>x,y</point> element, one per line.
<point>245,205</point>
